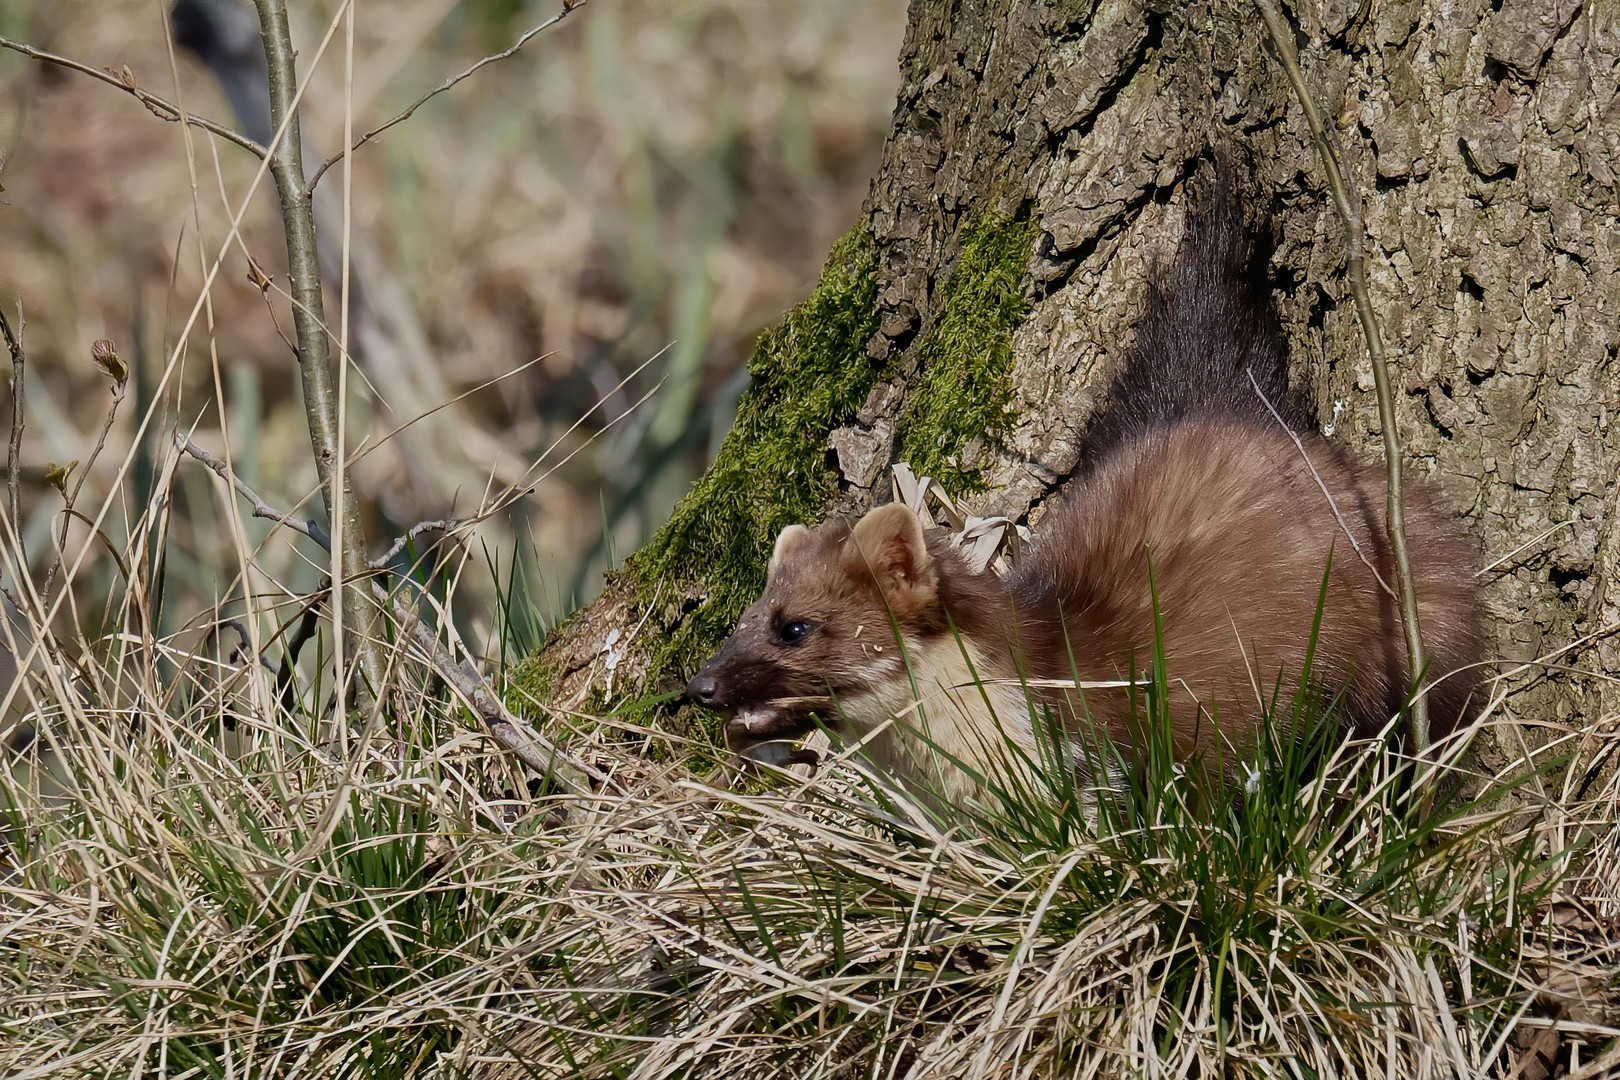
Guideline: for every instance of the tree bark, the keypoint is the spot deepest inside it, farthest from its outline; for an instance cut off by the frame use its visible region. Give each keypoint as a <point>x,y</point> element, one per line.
<point>1058,140</point>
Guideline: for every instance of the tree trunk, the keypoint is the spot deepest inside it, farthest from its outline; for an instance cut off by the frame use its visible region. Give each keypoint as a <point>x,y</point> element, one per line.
<point>1037,173</point>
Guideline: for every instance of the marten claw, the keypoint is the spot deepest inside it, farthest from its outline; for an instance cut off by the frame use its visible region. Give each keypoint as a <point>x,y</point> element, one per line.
<point>803,755</point>
<point>781,755</point>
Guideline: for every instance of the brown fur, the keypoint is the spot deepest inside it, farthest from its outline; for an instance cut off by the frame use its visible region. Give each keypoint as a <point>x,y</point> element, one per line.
<point>1239,535</point>
<point>1190,471</point>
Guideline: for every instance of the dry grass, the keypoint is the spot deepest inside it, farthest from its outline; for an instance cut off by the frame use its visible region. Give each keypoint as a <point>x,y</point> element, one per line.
<point>195,884</point>
<point>208,871</point>
<point>210,867</point>
<point>649,179</point>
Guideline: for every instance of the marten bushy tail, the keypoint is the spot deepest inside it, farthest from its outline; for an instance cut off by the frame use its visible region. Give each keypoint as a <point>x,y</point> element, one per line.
<point>1252,559</point>
<point>1209,326</point>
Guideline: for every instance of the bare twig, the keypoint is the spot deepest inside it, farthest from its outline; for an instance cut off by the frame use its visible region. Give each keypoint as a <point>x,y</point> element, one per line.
<point>104,354</point>
<point>125,81</point>
<point>1344,525</point>
<point>567,773</point>
<point>1282,40</point>
<point>14,452</point>
<point>568,8</point>
<point>244,643</point>
<point>264,283</point>
<point>321,406</point>
<point>308,526</point>
<point>445,525</point>
<point>307,623</point>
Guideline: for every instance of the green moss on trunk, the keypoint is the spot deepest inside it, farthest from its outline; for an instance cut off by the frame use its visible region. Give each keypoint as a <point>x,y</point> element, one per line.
<point>966,357</point>
<point>808,376</point>
<point>529,681</point>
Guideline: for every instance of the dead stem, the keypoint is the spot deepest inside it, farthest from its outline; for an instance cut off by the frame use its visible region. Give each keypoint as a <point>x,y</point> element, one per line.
<point>14,453</point>
<point>1282,41</point>
<point>104,354</point>
<point>1344,526</point>
<point>125,81</point>
<point>321,406</point>
<point>568,8</point>
<point>565,772</point>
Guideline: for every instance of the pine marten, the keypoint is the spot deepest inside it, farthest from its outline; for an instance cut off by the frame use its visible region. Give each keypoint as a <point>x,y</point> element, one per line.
<point>1191,489</point>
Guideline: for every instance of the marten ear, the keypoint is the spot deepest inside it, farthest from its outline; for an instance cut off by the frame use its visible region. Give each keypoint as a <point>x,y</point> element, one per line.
<point>888,545</point>
<point>793,539</point>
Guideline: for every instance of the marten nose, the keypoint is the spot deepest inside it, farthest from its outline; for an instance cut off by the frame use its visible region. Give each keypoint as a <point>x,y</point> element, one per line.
<point>703,689</point>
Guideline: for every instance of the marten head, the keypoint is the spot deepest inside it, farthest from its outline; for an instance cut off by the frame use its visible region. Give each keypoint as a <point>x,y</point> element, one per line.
<point>823,637</point>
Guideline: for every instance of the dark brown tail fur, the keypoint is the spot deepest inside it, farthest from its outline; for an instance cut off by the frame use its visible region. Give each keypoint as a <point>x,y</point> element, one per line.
<point>1209,327</point>
<point>1190,468</point>
<point>1195,506</point>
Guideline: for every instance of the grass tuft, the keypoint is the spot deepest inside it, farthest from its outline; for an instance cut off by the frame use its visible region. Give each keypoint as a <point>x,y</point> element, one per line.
<point>193,892</point>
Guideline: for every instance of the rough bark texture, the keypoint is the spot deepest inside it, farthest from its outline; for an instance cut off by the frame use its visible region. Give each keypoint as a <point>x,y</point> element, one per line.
<point>1037,172</point>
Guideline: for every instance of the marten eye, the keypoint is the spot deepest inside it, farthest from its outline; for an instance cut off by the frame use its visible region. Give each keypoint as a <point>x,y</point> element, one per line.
<point>794,632</point>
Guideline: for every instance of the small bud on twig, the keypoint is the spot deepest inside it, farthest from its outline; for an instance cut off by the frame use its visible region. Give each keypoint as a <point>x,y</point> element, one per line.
<point>258,278</point>
<point>104,354</point>
<point>56,476</point>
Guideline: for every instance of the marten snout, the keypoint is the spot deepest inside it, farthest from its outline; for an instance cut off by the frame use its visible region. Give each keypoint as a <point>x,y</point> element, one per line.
<point>704,689</point>
<point>760,700</point>
<point>731,678</point>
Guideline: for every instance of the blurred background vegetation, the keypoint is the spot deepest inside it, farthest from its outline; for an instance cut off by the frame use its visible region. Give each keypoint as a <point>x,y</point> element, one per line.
<point>616,210</point>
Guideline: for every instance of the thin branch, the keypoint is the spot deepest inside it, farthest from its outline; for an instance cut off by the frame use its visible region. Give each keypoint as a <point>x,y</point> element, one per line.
<point>1344,525</point>
<point>444,525</point>
<point>244,643</point>
<point>358,612</point>
<point>104,354</point>
<point>566,772</point>
<point>308,526</point>
<point>125,81</point>
<point>14,453</point>
<point>264,283</point>
<point>568,8</point>
<point>307,623</point>
<point>1282,41</point>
